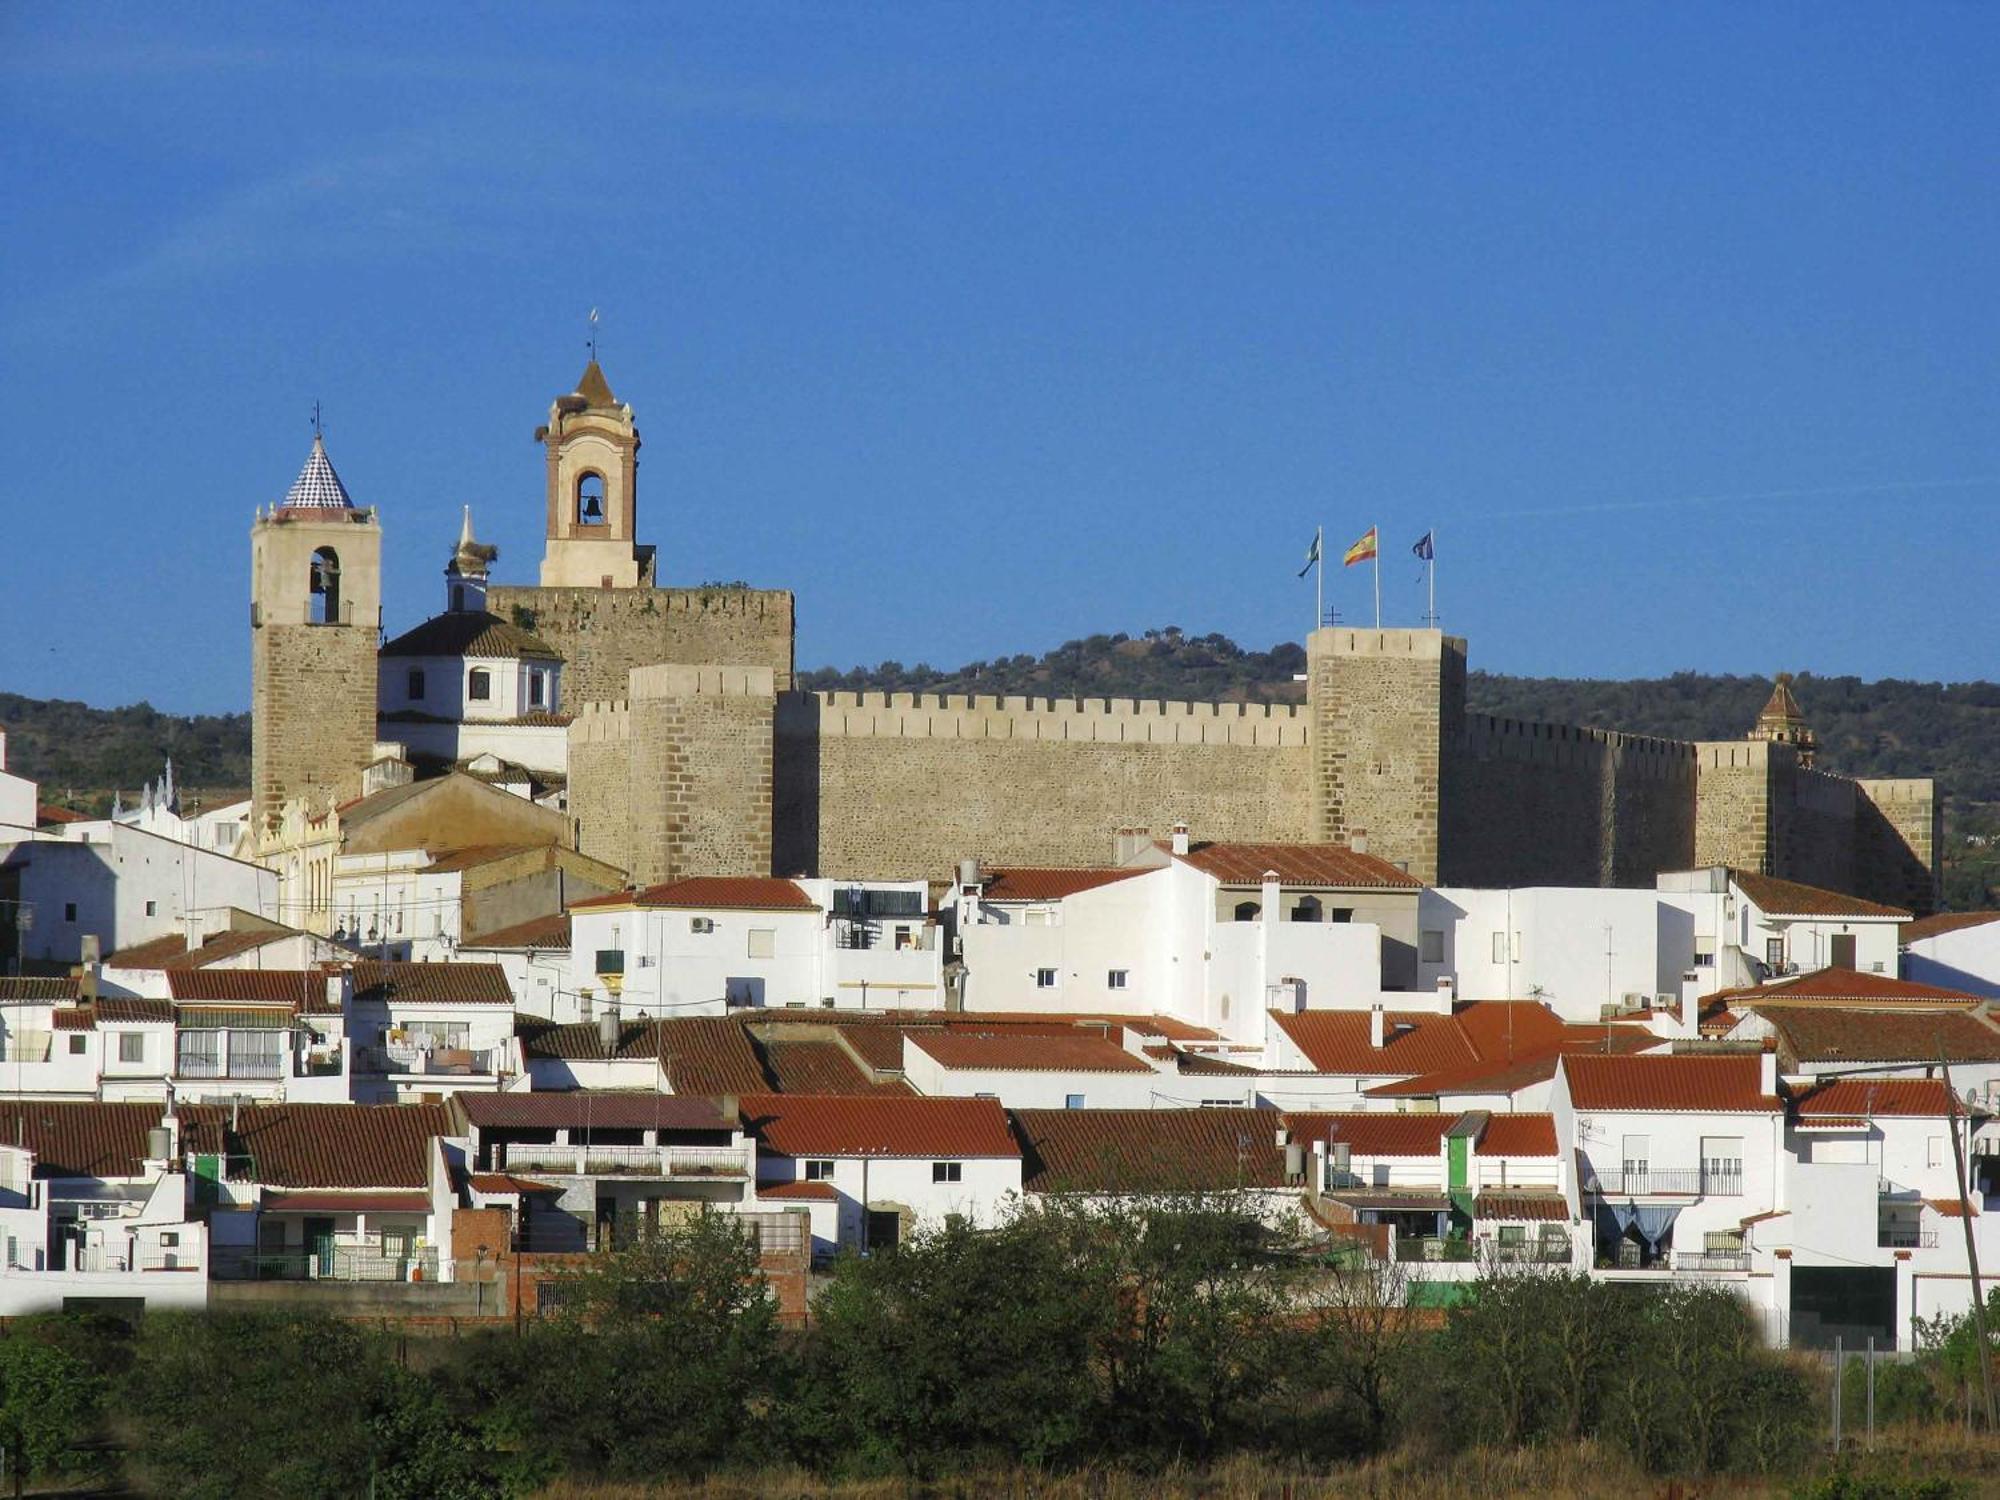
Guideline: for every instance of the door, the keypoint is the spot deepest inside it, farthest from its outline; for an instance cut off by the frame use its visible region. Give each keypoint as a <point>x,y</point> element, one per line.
<point>1843,950</point>
<point>885,1228</point>
<point>1458,1162</point>
<point>319,1245</point>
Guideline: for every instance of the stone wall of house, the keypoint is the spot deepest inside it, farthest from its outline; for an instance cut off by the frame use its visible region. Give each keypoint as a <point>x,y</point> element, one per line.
<point>602,634</point>
<point>900,784</point>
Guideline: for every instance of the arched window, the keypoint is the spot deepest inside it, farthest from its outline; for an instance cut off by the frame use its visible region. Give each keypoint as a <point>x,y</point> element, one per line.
<point>1306,909</point>
<point>323,600</point>
<point>590,500</point>
<point>1246,911</point>
<point>479,684</point>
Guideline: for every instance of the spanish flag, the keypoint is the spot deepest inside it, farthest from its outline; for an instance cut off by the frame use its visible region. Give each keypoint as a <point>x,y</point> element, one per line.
<point>1361,551</point>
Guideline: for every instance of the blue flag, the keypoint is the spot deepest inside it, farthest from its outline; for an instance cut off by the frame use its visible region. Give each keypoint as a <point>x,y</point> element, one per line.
<point>1425,548</point>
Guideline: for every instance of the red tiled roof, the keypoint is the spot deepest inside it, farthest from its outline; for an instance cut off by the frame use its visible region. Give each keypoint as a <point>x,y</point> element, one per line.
<point>293,988</point>
<point>172,952</point>
<point>1864,1098</point>
<point>336,1201</point>
<point>80,1138</point>
<point>879,1125</point>
<point>579,1041</point>
<point>1337,1041</point>
<point>1038,1054</point>
<point>504,1184</point>
<point>37,989</point>
<point>1149,1150</point>
<point>1724,1083</point>
<point>1849,985</point>
<point>1505,1064</point>
<point>710,1055</point>
<point>817,1067</point>
<point>712,893</point>
<point>608,1109</point>
<point>451,861</point>
<point>1789,898</point>
<point>1820,1034</point>
<point>1299,864</point>
<point>1519,1135</point>
<point>1952,1208</point>
<point>432,984</point>
<point>537,932</point>
<point>799,1192</point>
<point>46,815</point>
<point>121,1009</point>
<point>317,1145</point>
<point>74,1018</point>
<point>1946,921</point>
<point>1048,884</point>
<point>1520,1206</point>
<point>1376,1133</point>
<point>881,1047</point>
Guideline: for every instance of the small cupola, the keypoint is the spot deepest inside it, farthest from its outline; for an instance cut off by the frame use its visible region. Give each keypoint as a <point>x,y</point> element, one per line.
<point>466,575</point>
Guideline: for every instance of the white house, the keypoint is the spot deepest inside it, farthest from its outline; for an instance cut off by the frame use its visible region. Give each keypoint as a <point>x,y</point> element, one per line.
<point>1959,950</point>
<point>1749,928</point>
<point>891,1163</point>
<point>1027,1070</point>
<point>18,795</point>
<point>419,1030</point>
<point>535,957</point>
<point>706,945</point>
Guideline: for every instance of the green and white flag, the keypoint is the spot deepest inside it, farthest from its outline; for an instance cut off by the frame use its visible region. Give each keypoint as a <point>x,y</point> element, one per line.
<point>1312,554</point>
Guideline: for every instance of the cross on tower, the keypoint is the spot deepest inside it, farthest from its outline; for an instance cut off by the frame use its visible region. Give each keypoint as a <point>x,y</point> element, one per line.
<point>592,341</point>
<point>316,426</point>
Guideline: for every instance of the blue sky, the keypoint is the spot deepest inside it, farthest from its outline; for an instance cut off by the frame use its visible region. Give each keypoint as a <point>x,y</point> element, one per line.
<point>984,327</point>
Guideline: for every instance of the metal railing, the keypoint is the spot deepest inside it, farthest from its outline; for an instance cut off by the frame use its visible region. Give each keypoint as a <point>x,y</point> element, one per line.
<point>1434,1250</point>
<point>636,1161</point>
<point>1690,1182</point>
<point>306,1065</point>
<point>439,1062</point>
<point>1711,1260</point>
<point>1905,1237</point>
<point>215,1067</point>
<point>356,1261</point>
<point>1533,1253</point>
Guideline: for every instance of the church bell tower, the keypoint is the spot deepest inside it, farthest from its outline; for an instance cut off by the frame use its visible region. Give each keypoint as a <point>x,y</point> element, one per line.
<point>593,479</point>
<point>315,622</point>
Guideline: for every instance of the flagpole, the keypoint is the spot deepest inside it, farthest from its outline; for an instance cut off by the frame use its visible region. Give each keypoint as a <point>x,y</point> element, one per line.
<point>1378,576</point>
<point>1431,575</point>
<point>1319,578</point>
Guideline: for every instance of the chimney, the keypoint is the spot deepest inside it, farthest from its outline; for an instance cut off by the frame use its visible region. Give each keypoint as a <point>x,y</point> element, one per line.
<point>1128,843</point>
<point>1767,1070</point>
<point>191,929</point>
<point>1358,841</point>
<point>93,955</point>
<point>1181,837</point>
<point>731,1111</point>
<point>1377,1025</point>
<point>968,872</point>
<point>607,1030</point>
<point>340,987</point>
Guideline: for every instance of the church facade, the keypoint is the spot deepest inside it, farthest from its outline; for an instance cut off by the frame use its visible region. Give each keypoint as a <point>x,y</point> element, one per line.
<point>689,750</point>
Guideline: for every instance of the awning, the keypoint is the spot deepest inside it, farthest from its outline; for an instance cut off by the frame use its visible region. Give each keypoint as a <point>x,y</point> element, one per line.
<point>502,1184</point>
<point>335,1201</point>
<point>247,1018</point>
<point>1521,1206</point>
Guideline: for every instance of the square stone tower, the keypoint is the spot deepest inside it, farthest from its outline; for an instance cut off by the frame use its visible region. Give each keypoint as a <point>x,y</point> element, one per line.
<point>315,623</point>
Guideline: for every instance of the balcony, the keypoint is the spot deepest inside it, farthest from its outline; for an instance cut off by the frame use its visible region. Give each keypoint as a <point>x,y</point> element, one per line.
<point>624,1161</point>
<point>1434,1251</point>
<point>1639,1180</point>
<point>1712,1260</point>
<point>208,1068</point>
<point>1905,1237</point>
<point>346,1258</point>
<point>1533,1253</point>
<point>428,1062</point>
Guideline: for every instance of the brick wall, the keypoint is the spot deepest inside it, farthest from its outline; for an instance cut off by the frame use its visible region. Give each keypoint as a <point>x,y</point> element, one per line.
<point>602,634</point>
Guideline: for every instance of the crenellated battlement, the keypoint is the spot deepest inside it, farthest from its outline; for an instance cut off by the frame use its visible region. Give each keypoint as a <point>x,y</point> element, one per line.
<point>1569,745</point>
<point>1134,721</point>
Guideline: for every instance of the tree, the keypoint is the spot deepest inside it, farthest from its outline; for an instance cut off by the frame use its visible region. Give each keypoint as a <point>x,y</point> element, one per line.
<point>50,1403</point>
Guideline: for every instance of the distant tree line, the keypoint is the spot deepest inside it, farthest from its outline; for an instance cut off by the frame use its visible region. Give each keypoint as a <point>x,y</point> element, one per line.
<point>1070,1340</point>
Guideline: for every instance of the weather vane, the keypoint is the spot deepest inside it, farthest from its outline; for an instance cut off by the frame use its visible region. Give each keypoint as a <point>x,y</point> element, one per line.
<point>316,426</point>
<point>593,335</point>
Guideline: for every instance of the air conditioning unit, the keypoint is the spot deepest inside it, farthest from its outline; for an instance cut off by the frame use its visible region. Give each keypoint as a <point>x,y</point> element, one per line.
<point>701,924</point>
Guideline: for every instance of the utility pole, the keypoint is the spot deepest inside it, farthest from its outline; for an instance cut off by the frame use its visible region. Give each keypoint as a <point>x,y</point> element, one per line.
<point>1971,1248</point>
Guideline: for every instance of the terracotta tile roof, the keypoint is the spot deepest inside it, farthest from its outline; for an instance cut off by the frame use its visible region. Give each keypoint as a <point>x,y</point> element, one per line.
<point>1037,1054</point>
<point>1840,985</point>
<point>451,861</point>
<point>1521,1206</point>
<point>74,1018</point>
<point>1149,1150</point>
<point>80,1138</point>
<point>711,1055</point>
<point>241,1017</point>
<point>1951,1208</point>
<point>34,989</point>
<point>536,932</point>
<point>603,1108</point>
<point>711,893</point>
<point>505,1184</point>
<point>1026,883</point>
<point>1943,922</point>
<point>1337,1041</point>
<point>470,633</point>
<point>294,988</point>
<point>45,816</point>
<point>1299,864</point>
<point>1506,1064</point>
<point>579,1041</point>
<point>431,984</point>
<point>349,1200</point>
<point>1376,1133</point>
<point>1865,1098</point>
<point>1675,1082</point>
<point>798,1192</point>
<point>881,1047</point>
<point>816,1067</point>
<point>1519,1135</point>
<point>879,1125</point>
<point>172,952</point>
<point>1823,1034</point>
<point>323,1145</point>
<point>1788,898</point>
<point>119,1009</point>
<point>1202,1064</point>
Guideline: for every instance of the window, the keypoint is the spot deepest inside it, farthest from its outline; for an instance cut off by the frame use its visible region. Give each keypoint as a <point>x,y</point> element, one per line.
<point>1722,1242</point>
<point>256,1054</point>
<point>413,686</point>
<point>947,1171</point>
<point>1841,948</point>
<point>152,908</point>
<point>1721,1163</point>
<point>1499,947</point>
<point>76,1044</point>
<point>131,1046</point>
<point>1431,945</point>
<point>905,939</point>
<point>479,684</point>
<point>1704,958</point>
<point>1045,979</point>
<point>1306,909</point>
<point>1115,980</point>
<point>763,942</point>
<point>535,681</point>
<point>1774,953</point>
<point>1934,1152</point>
<point>819,1171</point>
<point>1513,1234</point>
<point>1246,911</point>
<point>1073,1101</point>
<point>1341,914</point>
<point>590,500</point>
<point>1635,1155</point>
<point>69,911</point>
<point>200,1054</point>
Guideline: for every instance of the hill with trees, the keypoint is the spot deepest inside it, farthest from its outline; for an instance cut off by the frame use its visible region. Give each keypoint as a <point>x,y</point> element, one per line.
<point>1887,728</point>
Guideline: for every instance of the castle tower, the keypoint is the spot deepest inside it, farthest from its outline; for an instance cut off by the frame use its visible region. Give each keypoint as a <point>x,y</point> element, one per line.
<point>469,571</point>
<point>1783,723</point>
<point>593,480</point>
<point>315,620</point>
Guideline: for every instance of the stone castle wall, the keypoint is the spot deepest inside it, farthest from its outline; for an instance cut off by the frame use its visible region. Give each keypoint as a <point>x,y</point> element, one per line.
<point>602,634</point>
<point>904,784</point>
<point>312,709</point>
<point>1898,827</point>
